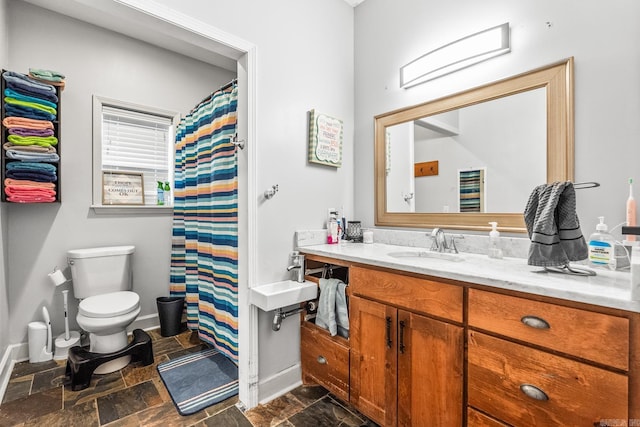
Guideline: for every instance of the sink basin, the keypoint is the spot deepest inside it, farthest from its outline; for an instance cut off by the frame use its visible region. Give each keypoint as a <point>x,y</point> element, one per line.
<point>445,256</point>
<point>281,294</point>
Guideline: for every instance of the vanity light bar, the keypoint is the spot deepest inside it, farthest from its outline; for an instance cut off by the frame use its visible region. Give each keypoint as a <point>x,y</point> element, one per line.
<point>455,56</point>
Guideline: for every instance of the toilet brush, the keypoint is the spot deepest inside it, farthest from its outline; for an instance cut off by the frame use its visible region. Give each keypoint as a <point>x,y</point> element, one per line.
<point>70,338</point>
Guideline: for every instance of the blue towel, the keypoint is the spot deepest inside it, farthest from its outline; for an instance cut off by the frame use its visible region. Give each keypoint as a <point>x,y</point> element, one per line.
<point>10,93</point>
<point>28,83</point>
<point>31,167</point>
<point>40,94</point>
<point>33,156</point>
<point>32,176</point>
<point>12,110</point>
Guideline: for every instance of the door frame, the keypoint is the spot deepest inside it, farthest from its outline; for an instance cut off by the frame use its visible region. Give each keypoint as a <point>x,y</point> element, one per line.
<point>176,31</point>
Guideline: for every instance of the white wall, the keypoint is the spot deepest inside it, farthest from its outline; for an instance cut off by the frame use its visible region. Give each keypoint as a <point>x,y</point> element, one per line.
<point>601,36</point>
<point>305,61</point>
<point>95,61</point>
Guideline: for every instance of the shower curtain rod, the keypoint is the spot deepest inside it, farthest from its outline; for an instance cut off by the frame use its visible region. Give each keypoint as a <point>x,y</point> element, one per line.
<point>223,87</point>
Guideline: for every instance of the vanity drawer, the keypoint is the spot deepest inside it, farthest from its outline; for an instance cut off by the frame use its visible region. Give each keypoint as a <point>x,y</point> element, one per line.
<point>411,293</point>
<point>478,419</point>
<point>577,394</point>
<point>325,361</point>
<point>589,335</point>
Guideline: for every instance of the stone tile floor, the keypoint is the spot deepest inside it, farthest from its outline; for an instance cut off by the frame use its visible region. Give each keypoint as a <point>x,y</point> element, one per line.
<point>135,396</point>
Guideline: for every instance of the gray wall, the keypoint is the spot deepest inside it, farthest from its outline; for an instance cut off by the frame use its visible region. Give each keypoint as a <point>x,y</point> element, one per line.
<point>95,61</point>
<point>305,61</point>
<point>602,38</point>
<point>4,291</point>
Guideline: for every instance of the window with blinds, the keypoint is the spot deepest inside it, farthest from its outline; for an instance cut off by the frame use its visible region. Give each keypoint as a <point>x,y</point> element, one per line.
<point>135,140</point>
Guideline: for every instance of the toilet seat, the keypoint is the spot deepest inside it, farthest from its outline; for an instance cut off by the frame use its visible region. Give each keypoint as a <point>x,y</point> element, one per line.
<point>109,305</point>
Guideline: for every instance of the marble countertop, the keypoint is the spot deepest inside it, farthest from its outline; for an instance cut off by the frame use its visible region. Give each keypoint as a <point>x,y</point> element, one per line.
<point>607,288</point>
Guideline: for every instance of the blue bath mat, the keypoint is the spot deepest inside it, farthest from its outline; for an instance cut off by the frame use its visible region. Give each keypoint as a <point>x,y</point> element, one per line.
<point>199,380</point>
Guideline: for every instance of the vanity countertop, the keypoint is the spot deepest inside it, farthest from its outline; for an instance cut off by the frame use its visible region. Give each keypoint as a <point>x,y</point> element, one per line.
<point>607,288</point>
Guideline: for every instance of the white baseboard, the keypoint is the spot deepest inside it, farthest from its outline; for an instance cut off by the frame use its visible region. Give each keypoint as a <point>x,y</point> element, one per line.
<point>150,321</point>
<point>279,384</point>
<point>13,353</point>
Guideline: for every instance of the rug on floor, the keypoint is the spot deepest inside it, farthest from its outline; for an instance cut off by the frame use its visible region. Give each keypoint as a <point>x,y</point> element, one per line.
<point>199,380</point>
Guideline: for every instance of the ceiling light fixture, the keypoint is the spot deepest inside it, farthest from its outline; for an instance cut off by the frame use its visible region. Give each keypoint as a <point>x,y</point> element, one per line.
<point>455,56</point>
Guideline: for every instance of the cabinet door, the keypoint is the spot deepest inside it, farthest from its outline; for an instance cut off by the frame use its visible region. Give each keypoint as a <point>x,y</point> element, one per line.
<point>430,371</point>
<point>373,360</point>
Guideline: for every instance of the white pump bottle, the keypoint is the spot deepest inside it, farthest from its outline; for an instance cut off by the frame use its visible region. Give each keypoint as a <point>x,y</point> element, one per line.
<point>495,245</point>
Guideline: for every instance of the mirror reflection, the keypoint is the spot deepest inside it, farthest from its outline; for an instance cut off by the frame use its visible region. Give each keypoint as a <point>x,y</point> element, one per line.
<point>472,157</point>
<point>481,158</point>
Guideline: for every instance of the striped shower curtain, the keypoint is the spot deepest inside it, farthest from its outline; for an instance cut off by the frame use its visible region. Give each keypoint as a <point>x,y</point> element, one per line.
<point>204,255</point>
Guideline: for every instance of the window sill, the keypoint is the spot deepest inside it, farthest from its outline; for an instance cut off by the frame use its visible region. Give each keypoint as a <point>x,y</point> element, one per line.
<point>132,210</point>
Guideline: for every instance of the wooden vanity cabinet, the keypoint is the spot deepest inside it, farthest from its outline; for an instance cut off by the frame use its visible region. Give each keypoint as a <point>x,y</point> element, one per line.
<point>406,366</point>
<point>536,363</point>
<point>433,352</point>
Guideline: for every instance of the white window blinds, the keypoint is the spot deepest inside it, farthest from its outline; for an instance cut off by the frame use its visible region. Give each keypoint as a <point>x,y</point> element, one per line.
<point>138,142</point>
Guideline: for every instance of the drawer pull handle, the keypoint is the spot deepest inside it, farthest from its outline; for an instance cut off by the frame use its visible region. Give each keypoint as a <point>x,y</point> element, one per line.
<point>535,322</point>
<point>322,360</point>
<point>534,392</point>
<point>388,337</point>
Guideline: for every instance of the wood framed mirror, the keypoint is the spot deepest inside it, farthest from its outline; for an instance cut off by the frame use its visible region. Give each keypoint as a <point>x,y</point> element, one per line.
<point>550,158</point>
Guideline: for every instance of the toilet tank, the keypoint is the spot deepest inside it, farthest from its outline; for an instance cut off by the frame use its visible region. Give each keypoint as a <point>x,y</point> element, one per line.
<point>98,271</point>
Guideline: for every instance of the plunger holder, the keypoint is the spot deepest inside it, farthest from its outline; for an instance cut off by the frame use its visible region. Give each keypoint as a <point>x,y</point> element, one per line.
<point>67,339</point>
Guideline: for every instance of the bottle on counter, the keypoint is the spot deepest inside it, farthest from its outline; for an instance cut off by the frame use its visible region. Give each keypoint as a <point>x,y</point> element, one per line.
<point>602,247</point>
<point>495,244</point>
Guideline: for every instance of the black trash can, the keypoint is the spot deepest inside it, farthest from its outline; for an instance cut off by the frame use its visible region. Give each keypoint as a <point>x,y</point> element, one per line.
<point>170,314</point>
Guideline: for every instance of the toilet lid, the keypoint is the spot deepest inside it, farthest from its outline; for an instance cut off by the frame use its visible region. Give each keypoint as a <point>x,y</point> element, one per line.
<point>109,305</point>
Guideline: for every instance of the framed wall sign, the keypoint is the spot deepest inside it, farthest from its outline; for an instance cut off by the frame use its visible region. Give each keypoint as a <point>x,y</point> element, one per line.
<point>325,139</point>
<point>122,188</point>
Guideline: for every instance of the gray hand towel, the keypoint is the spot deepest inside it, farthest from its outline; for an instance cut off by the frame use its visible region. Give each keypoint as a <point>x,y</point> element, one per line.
<point>326,316</point>
<point>553,226</point>
<point>342,310</point>
<point>333,313</point>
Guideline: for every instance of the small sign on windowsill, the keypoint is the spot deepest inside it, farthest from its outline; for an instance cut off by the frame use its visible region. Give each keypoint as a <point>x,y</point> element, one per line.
<point>122,188</point>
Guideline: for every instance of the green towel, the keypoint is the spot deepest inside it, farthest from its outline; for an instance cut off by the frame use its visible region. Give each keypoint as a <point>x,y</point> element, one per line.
<point>32,105</point>
<point>50,75</point>
<point>43,141</point>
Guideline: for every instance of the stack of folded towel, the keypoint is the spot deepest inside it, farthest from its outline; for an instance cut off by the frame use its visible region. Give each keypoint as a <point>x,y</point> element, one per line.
<point>30,108</point>
<point>26,191</point>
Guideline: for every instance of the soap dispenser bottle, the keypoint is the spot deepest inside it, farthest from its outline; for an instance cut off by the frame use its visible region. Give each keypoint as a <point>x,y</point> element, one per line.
<point>495,245</point>
<point>160,198</point>
<point>601,247</point>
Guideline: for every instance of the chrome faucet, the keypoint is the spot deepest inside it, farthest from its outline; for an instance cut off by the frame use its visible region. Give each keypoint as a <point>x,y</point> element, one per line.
<point>297,264</point>
<point>440,241</point>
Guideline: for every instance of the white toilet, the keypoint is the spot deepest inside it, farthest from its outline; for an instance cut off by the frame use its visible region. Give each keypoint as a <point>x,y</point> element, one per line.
<point>102,279</point>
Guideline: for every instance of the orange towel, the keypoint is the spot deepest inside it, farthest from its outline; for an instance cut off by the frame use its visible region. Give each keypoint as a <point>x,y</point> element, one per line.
<point>16,183</point>
<point>23,122</point>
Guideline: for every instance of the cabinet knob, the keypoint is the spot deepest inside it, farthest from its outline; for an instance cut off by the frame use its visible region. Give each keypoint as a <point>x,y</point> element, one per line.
<point>533,392</point>
<point>322,360</point>
<point>535,322</point>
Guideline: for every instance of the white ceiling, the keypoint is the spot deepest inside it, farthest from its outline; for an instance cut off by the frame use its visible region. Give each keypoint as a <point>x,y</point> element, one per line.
<point>354,3</point>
